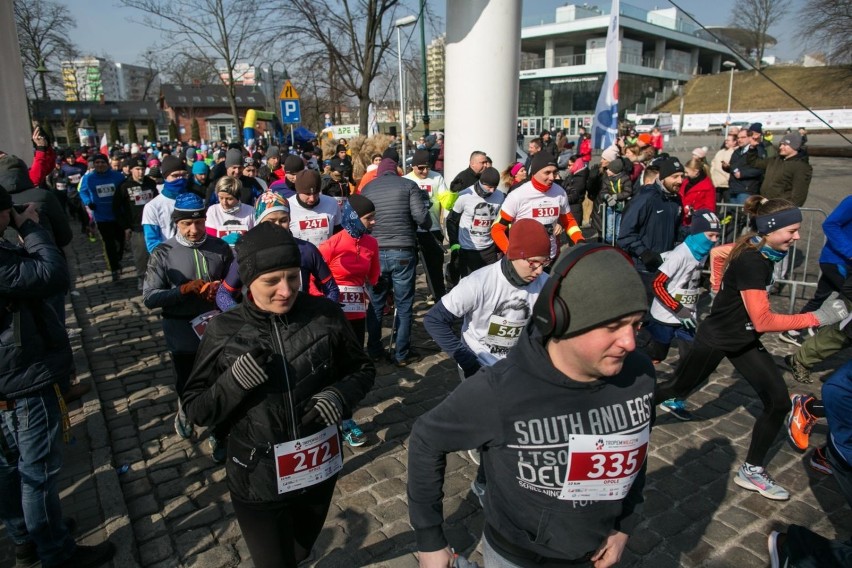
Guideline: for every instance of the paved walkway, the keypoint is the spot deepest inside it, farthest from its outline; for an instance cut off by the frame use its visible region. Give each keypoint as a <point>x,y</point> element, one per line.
<point>171,508</point>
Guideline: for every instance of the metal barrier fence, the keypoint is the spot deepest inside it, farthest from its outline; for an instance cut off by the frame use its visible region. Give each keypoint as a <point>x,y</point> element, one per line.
<point>797,272</point>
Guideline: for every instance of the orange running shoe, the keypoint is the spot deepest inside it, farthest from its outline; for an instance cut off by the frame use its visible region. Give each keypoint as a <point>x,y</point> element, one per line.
<point>800,422</point>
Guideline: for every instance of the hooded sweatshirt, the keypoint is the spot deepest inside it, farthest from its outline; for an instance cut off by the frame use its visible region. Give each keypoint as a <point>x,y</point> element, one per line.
<point>525,415</point>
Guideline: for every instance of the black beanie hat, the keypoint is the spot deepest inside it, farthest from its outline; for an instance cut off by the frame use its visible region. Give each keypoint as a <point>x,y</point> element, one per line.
<point>392,154</point>
<point>339,148</point>
<point>293,164</point>
<point>264,248</point>
<point>541,161</point>
<point>361,205</point>
<point>420,158</point>
<point>490,177</point>
<point>669,167</point>
<point>171,165</point>
<point>14,174</point>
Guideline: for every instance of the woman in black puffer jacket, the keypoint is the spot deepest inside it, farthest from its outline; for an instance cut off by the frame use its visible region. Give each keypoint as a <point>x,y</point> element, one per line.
<point>278,372</point>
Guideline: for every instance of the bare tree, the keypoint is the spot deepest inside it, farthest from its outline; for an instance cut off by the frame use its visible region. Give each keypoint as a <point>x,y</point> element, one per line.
<point>756,17</point>
<point>226,28</point>
<point>43,30</point>
<point>826,24</point>
<point>356,34</point>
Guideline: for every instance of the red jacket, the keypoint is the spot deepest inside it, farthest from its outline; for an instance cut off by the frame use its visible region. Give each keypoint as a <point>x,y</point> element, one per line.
<point>698,194</point>
<point>44,162</point>
<point>352,262</point>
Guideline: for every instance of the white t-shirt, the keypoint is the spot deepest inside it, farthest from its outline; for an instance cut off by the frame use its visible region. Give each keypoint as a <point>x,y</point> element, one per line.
<point>314,225</point>
<point>229,226</point>
<point>684,274</point>
<point>477,216</point>
<point>433,184</point>
<point>494,311</point>
<point>526,202</point>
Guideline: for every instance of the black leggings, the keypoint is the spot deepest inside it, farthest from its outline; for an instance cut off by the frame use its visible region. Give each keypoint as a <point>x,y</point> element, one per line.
<point>113,239</point>
<point>757,367</point>
<point>280,535</point>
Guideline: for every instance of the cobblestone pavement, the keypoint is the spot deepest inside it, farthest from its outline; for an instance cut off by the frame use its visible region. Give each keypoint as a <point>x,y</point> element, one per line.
<point>171,507</point>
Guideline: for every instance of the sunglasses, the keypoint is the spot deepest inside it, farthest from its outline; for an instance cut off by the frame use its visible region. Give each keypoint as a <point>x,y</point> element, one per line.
<point>421,168</point>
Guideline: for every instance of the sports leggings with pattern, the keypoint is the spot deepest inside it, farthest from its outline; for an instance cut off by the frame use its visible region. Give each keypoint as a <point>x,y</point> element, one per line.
<point>757,367</point>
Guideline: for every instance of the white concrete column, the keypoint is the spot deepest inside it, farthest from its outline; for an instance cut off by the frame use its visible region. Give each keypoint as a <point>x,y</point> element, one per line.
<point>717,64</point>
<point>660,52</point>
<point>693,61</point>
<point>481,81</point>
<point>15,131</point>
<point>549,55</point>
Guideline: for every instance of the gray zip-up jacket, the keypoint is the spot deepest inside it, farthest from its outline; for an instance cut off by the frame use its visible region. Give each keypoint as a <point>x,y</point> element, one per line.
<point>400,209</point>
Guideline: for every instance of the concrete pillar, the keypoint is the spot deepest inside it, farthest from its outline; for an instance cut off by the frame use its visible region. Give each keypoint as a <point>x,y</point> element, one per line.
<point>15,131</point>
<point>693,61</point>
<point>549,55</point>
<point>548,104</point>
<point>481,81</point>
<point>660,52</point>
<point>716,66</point>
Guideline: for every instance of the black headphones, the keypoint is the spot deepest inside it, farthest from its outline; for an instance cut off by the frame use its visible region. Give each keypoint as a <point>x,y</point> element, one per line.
<point>551,314</point>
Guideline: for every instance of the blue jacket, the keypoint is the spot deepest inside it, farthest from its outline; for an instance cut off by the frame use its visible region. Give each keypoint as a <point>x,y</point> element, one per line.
<point>650,222</point>
<point>838,234</point>
<point>34,348</point>
<point>837,397</point>
<point>99,189</point>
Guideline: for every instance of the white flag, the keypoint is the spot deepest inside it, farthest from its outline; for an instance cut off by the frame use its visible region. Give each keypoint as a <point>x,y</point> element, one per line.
<point>605,122</point>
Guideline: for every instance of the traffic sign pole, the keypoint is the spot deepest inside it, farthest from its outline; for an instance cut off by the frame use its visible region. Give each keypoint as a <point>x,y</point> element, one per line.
<point>291,112</point>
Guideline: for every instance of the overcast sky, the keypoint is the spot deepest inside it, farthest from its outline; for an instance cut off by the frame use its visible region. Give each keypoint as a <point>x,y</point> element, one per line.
<point>108,31</point>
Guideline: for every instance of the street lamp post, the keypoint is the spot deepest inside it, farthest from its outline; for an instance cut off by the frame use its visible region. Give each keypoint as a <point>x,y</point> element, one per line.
<point>401,23</point>
<point>273,85</point>
<point>425,77</point>
<point>731,65</point>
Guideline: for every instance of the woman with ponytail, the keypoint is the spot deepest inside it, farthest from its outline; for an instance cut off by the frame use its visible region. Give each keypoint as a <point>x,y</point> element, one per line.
<point>739,316</point>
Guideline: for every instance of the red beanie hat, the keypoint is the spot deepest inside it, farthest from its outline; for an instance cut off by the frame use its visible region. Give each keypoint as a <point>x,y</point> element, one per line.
<point>527,239</point>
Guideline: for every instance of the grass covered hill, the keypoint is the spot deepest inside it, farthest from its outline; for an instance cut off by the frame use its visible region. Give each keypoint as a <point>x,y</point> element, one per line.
<point>817,87</point>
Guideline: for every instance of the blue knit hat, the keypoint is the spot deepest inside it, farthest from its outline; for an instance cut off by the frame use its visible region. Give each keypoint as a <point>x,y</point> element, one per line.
<point>188,206</point>
<point>199,167</point>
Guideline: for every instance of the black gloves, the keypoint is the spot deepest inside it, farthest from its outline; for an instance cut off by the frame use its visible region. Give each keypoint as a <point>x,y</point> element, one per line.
<point>248,368</point>
<point>652,260</point>
<point>327,408</point>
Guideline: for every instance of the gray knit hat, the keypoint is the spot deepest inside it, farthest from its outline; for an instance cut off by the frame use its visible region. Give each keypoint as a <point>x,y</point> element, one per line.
<point>233,158</point>
<point>601,287</point>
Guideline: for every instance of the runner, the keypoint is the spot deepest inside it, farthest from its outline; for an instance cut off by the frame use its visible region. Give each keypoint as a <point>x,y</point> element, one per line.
<point>182,278</point>
<point>229,218</point>
<point>469,224</point>
<point>353,257</point>
<point>314,217</point>
<point>128,206</point>
<point>541,200</point>
<point>740,315</point>
<point>676,293</point>
<point>538,418</point>
<point>97,190</point>
<point>281,370</point>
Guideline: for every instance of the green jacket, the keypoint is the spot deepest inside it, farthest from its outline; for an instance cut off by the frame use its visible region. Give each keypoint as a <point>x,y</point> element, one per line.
<point>787,178</point>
